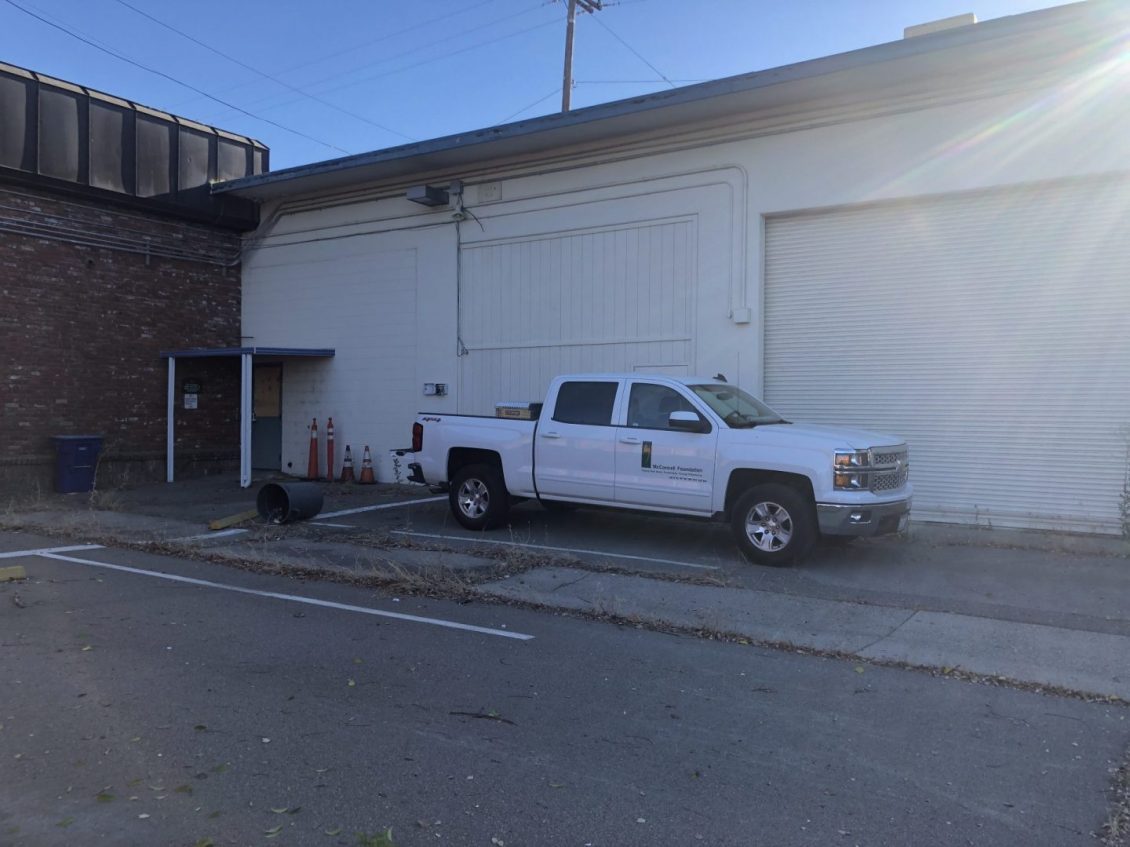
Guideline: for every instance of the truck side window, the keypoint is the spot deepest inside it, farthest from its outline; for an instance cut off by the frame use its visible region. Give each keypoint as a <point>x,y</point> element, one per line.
<point>650,406</point>
<point>585,403</point>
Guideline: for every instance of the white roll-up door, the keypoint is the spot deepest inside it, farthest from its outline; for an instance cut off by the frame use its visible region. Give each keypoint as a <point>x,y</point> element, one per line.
<point>613,299</point>
<point>990,329</point>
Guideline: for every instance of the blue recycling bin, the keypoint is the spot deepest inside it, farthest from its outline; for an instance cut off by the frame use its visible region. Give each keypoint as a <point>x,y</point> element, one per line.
<point>76,458</point>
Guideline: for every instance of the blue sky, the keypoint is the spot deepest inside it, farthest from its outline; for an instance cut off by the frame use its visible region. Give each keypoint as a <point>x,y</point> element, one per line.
<point>316,80</point>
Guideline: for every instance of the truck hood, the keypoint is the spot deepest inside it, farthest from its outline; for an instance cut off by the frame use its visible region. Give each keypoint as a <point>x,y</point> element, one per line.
<point>817,435</point>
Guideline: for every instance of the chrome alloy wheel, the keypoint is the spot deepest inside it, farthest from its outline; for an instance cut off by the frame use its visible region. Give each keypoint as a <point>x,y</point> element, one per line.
<point>769,526</point>
<point>474,498</point>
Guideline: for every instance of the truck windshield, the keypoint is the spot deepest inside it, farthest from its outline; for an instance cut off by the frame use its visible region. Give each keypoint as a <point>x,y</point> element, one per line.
<point>738,409</point>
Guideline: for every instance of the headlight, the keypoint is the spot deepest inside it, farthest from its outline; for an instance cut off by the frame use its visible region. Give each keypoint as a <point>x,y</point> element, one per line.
<point>853,459</point>
<point>851,470</point>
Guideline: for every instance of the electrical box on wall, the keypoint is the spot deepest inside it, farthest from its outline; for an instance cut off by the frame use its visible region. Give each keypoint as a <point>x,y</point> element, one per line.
<point>435,389</point>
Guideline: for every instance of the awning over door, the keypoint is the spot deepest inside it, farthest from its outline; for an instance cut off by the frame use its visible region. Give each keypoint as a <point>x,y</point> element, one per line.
<point>246,356</point>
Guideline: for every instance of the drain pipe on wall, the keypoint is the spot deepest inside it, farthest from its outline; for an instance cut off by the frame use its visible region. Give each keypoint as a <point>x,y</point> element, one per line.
<point>455,191</point>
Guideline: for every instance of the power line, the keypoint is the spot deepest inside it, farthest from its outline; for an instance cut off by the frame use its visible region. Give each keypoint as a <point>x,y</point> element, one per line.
<point>387,36</point>
<point>541,99</point>
<point>263,74</point>
<point>635,52</point>
<point>172,79</point>
<point>414,65</point>
<point>632,81</point>
<point>431,47</point>
<point>370,43</point>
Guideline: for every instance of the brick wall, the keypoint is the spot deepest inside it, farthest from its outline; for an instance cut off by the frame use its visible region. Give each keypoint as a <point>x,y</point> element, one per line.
<point>89,295</point>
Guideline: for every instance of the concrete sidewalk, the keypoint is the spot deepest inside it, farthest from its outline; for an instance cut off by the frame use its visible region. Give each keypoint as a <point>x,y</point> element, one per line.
<point>1082,661</point>
<point>1050,610</point>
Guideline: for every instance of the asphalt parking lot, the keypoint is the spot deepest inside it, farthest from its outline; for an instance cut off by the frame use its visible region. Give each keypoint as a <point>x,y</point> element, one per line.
<point>155,699</point>
<point>1039,614</point>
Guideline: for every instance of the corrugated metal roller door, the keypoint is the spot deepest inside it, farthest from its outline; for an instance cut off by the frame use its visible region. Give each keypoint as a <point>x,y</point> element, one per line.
<point>615,299</point>
<point>991,329</point>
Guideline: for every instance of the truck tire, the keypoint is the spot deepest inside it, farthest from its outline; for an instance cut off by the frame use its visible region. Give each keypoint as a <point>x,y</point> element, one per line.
<point>774,524</point>
<point>478,497</point>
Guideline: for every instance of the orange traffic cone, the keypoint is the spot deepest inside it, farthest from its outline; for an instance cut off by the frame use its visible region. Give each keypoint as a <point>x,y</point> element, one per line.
<point>330,450</point>
<point>367,477</point>
<point>312,465</point>
<point>347,466</point>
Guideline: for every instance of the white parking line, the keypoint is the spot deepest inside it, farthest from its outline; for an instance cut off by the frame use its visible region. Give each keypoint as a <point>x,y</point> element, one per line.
<point>15,554</point>
<point>293,598</point>
<point>334,525</point>
<point>221,534</point>
<point>557,549</point>
<point>360,509</point>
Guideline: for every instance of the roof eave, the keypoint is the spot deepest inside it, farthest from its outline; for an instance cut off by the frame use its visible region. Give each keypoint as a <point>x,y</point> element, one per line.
<point>614,119</point>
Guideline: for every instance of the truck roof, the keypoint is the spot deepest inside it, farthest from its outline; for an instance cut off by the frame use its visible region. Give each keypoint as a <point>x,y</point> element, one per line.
<point>682,380</point>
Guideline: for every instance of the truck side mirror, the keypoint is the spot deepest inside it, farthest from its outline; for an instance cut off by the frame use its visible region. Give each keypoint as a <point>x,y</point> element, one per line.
<point>688,422</point>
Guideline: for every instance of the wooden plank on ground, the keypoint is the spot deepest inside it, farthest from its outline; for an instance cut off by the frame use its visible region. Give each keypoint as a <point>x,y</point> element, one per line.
<point>232,520</point>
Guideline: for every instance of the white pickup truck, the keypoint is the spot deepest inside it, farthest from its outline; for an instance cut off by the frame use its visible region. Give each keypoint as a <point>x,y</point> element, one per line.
<point>696,447</point>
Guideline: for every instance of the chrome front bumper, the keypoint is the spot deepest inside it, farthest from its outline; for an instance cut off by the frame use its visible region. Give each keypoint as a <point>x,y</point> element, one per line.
<point>874,519</point>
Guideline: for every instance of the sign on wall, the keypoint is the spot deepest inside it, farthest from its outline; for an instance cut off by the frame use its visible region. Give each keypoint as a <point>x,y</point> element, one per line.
<point>191,389</point>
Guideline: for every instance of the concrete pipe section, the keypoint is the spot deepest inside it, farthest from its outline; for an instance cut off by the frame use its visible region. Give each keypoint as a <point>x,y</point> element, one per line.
<point>284,502</point>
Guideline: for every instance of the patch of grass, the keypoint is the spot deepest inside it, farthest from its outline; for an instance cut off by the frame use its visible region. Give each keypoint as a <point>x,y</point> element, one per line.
<point>1116,831</point>
<point>379,839</point>
<point>107,500</point>
<point>1124,509</point>
<point>32,500</point>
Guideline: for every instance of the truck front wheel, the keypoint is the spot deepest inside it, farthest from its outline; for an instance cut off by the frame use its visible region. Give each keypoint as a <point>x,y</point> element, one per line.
<point>774,525</point>
<point>478,497</point>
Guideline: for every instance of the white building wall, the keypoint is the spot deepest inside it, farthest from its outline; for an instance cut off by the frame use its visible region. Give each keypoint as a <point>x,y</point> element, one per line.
<point>724,187</point>
<point>379,301</point>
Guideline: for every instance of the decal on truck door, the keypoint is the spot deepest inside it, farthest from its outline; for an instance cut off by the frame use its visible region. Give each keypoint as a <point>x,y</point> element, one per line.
<point>678,472</point>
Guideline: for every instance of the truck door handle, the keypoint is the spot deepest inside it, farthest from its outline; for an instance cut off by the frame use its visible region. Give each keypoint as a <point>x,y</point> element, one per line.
<point>550,435</point>
<point>629,440</point>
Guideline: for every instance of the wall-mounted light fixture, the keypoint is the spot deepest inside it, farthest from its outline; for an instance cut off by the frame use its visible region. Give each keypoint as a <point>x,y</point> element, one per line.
<point>427,195</point>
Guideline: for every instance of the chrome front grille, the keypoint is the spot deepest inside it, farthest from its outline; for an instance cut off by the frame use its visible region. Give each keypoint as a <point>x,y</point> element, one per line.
<point>889,480</point>
<point>881,459</point>
<point>889,470</point>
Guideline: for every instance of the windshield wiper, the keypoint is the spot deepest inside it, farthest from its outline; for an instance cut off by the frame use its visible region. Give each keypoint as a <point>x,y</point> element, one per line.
<point>750,424</point>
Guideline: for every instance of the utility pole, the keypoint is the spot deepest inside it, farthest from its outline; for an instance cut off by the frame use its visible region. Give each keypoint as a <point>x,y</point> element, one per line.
<point>589,6</point>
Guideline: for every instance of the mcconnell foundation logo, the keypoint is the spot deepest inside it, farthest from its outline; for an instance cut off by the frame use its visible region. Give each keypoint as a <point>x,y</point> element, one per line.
<point>645,456</point>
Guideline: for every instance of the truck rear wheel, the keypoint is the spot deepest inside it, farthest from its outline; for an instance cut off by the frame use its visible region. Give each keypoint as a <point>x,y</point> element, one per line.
<point>774,525</point>
<point>478,497</point>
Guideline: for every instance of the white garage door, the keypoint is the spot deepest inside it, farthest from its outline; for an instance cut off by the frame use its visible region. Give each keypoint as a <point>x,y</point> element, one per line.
<point>616,299</point>
<point>991,329</point>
